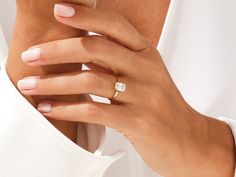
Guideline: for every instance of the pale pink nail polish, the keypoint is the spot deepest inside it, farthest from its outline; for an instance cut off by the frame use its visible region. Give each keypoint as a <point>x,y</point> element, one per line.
<point>31,55</point>
<point>27,84</point>
<point>64,11</point>
<point>44,107</point>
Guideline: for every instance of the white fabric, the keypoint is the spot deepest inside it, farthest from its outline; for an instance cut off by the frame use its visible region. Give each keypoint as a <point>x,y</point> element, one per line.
<point>31,146</point>
<point>198,45</point>
<point>3,45</point>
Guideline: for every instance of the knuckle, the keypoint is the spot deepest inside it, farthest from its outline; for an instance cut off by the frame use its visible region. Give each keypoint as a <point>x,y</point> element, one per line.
<point>83,14</point>
<point>132,118</point>
<point>88,44</point>
<point>49,50</point>
<point>119,22</point>
<point>56,85</point>
<point>94,44</point>
<point>102,45</point>
<point>62,110</point>
<point>59,111</point>
<point>42,88</point>
<point>91,109</point>
<point>118,19</point>
<point>145,66</point>
<point>90,80</point>
<point>89,3</point>
<point>50,85</point>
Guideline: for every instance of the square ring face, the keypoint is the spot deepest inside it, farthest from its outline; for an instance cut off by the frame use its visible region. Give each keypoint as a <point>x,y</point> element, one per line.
<point>120,87</point>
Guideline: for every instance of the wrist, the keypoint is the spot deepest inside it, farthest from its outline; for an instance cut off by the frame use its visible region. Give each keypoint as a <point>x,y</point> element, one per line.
<point>221,148</point>
<point>210,146</point>
<point>201,146</point>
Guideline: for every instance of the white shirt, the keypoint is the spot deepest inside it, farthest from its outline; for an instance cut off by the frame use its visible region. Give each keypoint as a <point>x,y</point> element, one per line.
<point>198,45</point>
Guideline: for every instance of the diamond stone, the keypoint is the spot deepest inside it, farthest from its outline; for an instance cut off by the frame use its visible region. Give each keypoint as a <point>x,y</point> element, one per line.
<point>120,87</point>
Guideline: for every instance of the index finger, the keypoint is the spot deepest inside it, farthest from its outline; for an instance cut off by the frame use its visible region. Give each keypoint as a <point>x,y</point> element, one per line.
<point>110,24</point>
<point>88,3</point>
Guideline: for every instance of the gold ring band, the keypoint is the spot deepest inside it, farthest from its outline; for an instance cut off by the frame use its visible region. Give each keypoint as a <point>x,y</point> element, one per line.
<point>119,87</point>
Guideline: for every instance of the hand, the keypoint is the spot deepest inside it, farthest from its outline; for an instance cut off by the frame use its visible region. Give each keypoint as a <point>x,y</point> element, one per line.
<point>171,137</point>
<point>35,23</point>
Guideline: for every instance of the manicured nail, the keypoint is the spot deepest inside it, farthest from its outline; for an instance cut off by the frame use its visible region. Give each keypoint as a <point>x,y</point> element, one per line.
<point>44,107</point>
<point>64,11</point>
<point>31,55</point>
<point>27,84</point>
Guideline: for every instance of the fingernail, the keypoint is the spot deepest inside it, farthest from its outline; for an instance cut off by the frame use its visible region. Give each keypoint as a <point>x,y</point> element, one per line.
<point>27,84</point>
<point>64,11</point>
<point>31,55</point>
<point>44,107</point>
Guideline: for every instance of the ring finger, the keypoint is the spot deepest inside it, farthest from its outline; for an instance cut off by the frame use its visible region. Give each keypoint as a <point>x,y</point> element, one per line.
<point>82,82</point>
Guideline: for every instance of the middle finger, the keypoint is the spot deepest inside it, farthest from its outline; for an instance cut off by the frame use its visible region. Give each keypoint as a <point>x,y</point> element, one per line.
<point>90,49</point>
<point>83,82</point>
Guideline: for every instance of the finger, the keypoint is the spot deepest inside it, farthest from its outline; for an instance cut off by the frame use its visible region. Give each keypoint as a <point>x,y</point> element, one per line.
<point>94,67</point>
<point>83,82</point>
<point>89,112</point>
<point>110,24</point>
<point>88,3</point>
<point>90,49</point>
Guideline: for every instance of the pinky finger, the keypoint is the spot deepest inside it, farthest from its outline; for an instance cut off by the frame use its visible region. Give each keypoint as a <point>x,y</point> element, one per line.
<point>86,111</point>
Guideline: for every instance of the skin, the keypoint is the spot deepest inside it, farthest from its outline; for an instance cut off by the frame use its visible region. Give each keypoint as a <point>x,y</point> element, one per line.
<point>148,23</point>
<point>172,138</point>
<point>35,24</point>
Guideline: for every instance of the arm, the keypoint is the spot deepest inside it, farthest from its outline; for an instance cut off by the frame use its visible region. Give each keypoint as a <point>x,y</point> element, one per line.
<point>35,24</point>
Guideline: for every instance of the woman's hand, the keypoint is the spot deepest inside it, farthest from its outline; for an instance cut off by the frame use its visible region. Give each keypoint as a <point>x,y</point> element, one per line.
<point>35,23</point>
<point>171,137</point>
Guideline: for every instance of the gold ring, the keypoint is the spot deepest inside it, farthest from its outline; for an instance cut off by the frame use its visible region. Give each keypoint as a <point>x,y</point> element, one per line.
<point>119,87</point>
